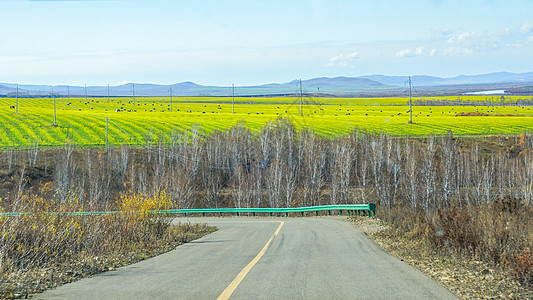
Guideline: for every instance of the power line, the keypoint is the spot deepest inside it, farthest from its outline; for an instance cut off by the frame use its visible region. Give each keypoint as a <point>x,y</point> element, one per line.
<point>410,103</point>
<point>170,99</point>
<point>133,92</point>
<point>17,101</point>
<point>55,120</point>
<point>301,100</point>
<point>106,134</point>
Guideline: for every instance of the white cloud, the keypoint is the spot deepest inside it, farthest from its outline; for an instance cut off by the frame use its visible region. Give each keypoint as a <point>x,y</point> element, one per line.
<point>410,52</point>
<point>526,28</point>
<point>405,53</point>
<point>470,42</point>
<point>433,52</point>
<point>457,50</point>
<point>343,60</point>
<point>463,38</point>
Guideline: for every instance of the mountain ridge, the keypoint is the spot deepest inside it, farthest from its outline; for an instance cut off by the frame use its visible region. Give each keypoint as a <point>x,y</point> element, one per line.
<point>326,85</point>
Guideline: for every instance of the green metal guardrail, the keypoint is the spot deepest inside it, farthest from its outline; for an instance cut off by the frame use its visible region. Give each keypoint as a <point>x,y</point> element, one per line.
<point>365,209</point>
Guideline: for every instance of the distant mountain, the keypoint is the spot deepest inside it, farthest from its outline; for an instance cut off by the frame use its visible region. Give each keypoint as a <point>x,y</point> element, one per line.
<point>500,77</point>
<point>340,83</point>
<point>370,84</point>
<point>322,85</point>
<point>423,80</point>
<point>4,90</point>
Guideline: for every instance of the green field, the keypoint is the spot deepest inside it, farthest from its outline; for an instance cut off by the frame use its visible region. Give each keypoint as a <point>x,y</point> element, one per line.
<point>150,118</point>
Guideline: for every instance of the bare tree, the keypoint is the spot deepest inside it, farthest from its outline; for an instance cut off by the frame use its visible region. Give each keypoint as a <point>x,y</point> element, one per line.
<point>33,151</point>
<point>428,173</point>
<point>449,149</point>
<point>342,162</point>
<point>65,170</point>
<point>412,178</point>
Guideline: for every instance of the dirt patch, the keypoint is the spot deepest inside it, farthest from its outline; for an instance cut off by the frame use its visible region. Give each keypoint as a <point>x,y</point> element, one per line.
<point>468,279</point>
<point>369,225</point>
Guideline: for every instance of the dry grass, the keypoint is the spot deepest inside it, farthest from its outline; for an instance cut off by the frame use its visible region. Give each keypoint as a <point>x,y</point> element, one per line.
<point>43,248</point>
<point>500,233</point>
<point>477,244</point>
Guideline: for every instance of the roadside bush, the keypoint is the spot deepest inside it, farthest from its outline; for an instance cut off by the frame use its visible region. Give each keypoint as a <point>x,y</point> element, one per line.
<point>500,233</point>
<point>48,236</point>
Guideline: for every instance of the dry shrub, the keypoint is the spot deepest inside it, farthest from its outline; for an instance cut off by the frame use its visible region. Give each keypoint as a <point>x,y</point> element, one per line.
<point>137,214</point>
<point>50,244</point>
<point>407,221</point>
<point>493,232</point>
<point>48,232</point>
<point>142,204</point>
<point>500,233</point>
<point>523,265</point>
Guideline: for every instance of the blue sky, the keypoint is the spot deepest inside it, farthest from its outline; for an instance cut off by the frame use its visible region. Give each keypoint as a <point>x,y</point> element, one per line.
<point>254,42</point>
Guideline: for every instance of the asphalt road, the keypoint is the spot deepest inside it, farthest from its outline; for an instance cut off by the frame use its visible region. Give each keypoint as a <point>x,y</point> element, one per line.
<point>310,258</point>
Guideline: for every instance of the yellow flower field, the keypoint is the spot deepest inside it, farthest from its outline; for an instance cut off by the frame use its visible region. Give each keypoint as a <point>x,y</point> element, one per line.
<point>150,118</point>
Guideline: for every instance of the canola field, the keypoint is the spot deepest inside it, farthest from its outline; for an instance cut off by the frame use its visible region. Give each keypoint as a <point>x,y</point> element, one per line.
<point>149,119</point>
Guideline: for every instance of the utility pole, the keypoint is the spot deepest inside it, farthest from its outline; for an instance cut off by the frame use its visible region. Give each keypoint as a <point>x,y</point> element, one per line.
<point>17,101</point>
<point>233,98</point>
<point>301,100</point>
<point>55,119</point>
<point>170,99</point>
<point>106,135</point>
<point>108,93</point>
<point>133,92</point>
<point>86,92</point>
<point>410,103</point>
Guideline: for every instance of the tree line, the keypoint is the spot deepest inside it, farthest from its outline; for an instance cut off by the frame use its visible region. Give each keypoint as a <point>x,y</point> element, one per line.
<point>279,166</point>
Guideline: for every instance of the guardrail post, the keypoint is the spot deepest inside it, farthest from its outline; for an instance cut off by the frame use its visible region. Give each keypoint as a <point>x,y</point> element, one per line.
<point>203,214</point>
<point>316,213</point>
<point>340,212</point>
<point>253,213</point>
<point>286,214</point>
<point>271,214</point>
<point>329,212</point>
<point>372,207</point>
<point>237,214</point>
<point>302,213</point>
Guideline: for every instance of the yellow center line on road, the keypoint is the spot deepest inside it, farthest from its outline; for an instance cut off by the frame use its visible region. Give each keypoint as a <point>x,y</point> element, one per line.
<point>235,283</point>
